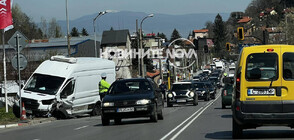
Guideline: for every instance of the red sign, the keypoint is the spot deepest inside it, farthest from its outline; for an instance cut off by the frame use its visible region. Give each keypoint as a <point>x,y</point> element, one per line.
<point>5,15</point>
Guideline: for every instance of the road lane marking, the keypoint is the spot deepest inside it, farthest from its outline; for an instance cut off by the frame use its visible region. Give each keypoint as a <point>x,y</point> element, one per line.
<point>199,110</point>
<point>177,134</point>
<point>81,127</point>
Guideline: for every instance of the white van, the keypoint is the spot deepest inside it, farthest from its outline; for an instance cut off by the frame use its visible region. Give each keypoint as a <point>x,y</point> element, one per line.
<point>64,86</point>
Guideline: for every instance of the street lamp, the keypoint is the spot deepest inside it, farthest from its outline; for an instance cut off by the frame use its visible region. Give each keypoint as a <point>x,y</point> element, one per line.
<point>67,24</point>
<point>141,44</point>
<point>99,15</point>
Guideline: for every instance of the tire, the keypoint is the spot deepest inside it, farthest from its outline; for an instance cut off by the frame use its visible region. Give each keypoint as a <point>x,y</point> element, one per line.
<point>169,104</point>
<point>96,110</point>
<point>105,121</point>
<point>223,106</point>
<point>237,130</point>
<point>117,121</point>
<point>154,117</point>
<point>195,102</point>
<point>160,115</point>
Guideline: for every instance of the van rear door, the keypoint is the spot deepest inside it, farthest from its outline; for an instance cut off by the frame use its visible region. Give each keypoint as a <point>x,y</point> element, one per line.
<point>288,78</point>
<point>261,86</point>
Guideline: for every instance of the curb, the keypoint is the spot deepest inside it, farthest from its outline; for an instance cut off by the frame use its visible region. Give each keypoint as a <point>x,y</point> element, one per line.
<point>31,122</point>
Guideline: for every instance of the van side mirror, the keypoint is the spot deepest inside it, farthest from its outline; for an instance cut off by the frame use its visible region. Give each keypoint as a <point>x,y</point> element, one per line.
<point>63,96</point>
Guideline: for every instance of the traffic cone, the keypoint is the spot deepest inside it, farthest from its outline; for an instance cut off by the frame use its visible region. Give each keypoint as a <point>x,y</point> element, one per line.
<point>23,113</point>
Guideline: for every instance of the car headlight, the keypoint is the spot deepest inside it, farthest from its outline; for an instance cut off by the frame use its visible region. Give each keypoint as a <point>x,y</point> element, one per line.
<point>143,102</point>
<point>191,94</point>
<point>203,92</point>
<point>108,104</point>
<point>169,95</point>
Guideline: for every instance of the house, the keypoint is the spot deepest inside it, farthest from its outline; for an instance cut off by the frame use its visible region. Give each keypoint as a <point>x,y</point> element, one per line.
<point>203,33</point>
<point>113,43</point>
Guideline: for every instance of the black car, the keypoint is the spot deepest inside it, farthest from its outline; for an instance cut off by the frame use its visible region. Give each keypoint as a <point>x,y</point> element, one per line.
<point>211,88</point>
<point>131,98</point>
<point>215,81</point>
<point>182,93</point>
<point>202,91</point>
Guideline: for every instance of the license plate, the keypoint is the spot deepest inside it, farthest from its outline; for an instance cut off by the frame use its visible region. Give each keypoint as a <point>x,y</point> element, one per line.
<point>181,101</point>
<point>252,92</point>
<point>129,109</point>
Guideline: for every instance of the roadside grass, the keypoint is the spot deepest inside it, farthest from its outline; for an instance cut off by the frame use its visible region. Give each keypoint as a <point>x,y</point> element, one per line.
<point>7,118</point>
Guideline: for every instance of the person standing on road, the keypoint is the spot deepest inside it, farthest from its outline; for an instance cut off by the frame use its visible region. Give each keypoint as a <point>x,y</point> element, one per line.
<point>103,86</point>
<point>163,88</point>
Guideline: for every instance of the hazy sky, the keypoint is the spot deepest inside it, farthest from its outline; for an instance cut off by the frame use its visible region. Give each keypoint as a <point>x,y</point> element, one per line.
<point>78,8</point>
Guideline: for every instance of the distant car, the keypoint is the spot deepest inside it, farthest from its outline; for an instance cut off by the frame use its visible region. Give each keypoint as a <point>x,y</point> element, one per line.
<point>131,98</point>
<point>215,81</point>
<point>211,88</point>
<point>202,91</point>
<point>182,93</point>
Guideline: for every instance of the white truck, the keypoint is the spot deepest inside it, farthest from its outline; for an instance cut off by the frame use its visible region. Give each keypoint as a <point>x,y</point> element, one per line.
<point>219,65</point>
<point>64,86</point>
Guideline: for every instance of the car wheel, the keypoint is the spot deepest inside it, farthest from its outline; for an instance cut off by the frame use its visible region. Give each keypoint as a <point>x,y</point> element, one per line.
<point>96,110</point>
<point>237,130</point>
<point>223,106</point>
<point>154,116</point>
<point>105,121</point>
<point>195,102</point>
<point>160,115</point>
<point>169,104</point>
<point>117,121</point>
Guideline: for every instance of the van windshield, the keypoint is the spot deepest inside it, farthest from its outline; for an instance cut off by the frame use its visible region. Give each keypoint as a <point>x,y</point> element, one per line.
<point>262,66</point>
<point>44,84</point>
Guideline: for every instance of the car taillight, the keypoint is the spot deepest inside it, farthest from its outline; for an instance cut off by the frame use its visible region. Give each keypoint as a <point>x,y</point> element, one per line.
<point>225,92</point>
<point>238,83</point>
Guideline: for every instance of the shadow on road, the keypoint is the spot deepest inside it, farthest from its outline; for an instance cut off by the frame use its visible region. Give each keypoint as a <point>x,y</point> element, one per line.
<point>127,122</point>
<point>227,116</point>
<point>253,134</point>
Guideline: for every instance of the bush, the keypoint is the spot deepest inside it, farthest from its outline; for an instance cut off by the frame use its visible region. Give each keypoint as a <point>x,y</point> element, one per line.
<point>6,118</point>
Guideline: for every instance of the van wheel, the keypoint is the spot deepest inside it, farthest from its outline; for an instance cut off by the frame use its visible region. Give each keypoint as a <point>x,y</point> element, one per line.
<point>237,130</point>
<point>154,116</point>
<point>96,110</point>
<point>105,121</point>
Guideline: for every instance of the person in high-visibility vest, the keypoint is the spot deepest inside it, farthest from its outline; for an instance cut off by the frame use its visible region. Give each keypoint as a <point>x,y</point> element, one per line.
<point>103,86</point>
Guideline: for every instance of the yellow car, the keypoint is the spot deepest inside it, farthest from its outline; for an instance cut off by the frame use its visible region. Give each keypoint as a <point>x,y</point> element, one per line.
<point>263,88</point>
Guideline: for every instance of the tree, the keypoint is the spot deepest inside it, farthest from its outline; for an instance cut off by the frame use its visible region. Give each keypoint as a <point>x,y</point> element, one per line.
<point>74,32</point>
<point>85,32</point>
<point>219,36</point>
<point>54,30</point>
<point>44,27</point>
<point>162,35</point>
<point>175,35</point>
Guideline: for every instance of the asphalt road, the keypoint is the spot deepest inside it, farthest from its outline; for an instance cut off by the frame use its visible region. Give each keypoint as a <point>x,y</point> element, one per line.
<point>205,121</point>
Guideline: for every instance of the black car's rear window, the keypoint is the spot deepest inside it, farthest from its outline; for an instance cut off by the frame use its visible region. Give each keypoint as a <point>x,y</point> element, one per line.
<point>122,87</point>
<point>262,67</point>
<point>181,87</point>
<point>288,66</point>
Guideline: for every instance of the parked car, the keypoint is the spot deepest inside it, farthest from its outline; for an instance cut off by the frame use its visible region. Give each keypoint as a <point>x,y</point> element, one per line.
<point>132,98</point>
<point>202,91</point>
<point>227,92</point>
<point>182,93</point>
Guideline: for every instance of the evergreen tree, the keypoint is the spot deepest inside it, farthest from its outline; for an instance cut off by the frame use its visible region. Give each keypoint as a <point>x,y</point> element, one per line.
<point>162,35</point>
<point>74,32</point>
<point>219,35</point>
<point>85,32</point>
<point>175,35</point>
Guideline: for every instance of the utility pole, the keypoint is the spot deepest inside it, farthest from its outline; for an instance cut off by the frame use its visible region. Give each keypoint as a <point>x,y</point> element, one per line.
<point>4,70</point>
<point>67,23</point>
<point>138,45</point>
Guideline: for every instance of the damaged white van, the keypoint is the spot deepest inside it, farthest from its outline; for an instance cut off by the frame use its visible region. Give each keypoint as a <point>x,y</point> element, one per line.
<point>64,86</point>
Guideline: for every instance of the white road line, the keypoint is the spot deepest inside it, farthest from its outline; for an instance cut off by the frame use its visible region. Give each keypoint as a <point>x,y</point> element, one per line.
<point>207,105</point>
<point>81,127</point>
<point>177,134</point>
